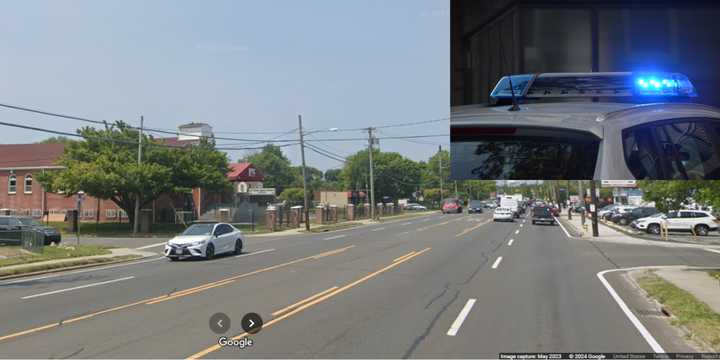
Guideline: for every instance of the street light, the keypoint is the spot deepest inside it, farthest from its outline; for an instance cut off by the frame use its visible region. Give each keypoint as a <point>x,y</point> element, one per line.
<point>304,171</point>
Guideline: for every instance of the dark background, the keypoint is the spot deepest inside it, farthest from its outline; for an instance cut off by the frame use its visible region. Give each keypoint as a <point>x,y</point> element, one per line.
<point>492,38</point>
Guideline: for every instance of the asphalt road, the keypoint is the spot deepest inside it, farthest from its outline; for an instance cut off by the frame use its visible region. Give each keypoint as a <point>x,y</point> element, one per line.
<point>429,287</point>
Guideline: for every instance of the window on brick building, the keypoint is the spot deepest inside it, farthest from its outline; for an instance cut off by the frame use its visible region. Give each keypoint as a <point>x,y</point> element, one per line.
<point>12,184</point>
<point>28,184</point>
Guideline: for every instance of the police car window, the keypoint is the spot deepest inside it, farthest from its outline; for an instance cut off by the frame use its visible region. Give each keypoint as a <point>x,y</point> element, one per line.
<point>523,153</point>
<point>674,149</point>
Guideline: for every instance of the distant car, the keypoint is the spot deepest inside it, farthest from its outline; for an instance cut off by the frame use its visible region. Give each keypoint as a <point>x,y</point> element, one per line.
<point>19,223</point>
<point>451,206</point>
<point>627,217</point>
<point>503,214</point>
<point>617,212</point>
<point>415,207</point>
<point>701,222</point>
<point>578,209</point>
<point>475,207</point>
<point>543,214</point>
<point>554,211</point>
<point>606,209</point>
<point>205,240</point>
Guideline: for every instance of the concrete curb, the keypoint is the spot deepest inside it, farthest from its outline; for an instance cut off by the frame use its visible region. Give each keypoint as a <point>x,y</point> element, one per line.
<point>75,267</point>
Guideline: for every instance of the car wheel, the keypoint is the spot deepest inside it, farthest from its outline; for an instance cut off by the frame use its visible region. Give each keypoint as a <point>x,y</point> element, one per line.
<point>702,230</point>
<point>238,247</point>
<point>174,258</point>
<point>653,229</point>
<point>623,221</point>
<point>533,222</point>
<point>209,251</point>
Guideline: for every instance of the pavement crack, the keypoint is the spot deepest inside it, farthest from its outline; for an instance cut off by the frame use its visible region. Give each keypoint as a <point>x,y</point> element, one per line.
<point>438,296</point>
<point>426,332</point>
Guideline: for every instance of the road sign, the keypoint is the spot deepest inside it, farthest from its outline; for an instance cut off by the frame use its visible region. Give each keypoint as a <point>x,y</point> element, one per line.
<point>618,183</point>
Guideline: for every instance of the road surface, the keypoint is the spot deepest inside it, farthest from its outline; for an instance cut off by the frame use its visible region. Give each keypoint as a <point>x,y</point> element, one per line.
<point>455,286</point>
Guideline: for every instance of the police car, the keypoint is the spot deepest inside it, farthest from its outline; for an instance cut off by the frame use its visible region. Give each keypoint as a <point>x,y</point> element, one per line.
<point>587,126</point>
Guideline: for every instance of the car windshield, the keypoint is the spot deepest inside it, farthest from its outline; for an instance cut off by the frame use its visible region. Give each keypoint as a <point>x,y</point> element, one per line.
<point>523,154</point>
<point>199,229</point>
<point>29,222</point>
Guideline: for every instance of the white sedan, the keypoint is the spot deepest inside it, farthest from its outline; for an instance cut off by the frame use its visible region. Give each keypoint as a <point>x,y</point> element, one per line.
<point>205,240</point>
<point>503,214</point>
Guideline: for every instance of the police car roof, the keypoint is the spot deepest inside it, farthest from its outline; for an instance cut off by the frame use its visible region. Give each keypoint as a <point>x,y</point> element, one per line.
<point>585,116</point>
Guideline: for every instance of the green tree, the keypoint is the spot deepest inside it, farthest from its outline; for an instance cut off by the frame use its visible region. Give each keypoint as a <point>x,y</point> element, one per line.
<point>332,175</point>
<point>292,195</point>
<point>669,194</point>
<point>431,172</point>
<point>395,175</point>
<point>104,165</point>
<point>275,166</point>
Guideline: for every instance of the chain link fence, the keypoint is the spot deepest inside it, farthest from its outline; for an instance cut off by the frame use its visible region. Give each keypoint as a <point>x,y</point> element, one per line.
<point>29,239</point>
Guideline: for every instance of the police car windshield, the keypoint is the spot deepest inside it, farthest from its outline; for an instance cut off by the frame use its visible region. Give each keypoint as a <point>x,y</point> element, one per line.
<point>520,153</point>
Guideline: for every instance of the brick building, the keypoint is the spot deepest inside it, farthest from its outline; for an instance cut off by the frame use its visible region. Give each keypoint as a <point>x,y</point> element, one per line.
<point>21,194</point>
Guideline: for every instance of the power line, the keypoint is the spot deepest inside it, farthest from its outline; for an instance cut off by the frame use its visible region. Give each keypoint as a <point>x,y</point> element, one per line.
<point>322,152</point>
<point>413,123</point>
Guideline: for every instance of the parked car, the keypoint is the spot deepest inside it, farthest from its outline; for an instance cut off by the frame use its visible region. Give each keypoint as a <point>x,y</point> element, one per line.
<point>503,214</point>
<point>415,207</point>
<point>205,239</point>
<point>616,211</point>
<point>542,214</point>
<point>701,222</point>
<point>475,207</point>
<point>626,217</point>
<point>578,209</point>
<point>606,209</point>
<point>451,206</point>
<point>19,223</point>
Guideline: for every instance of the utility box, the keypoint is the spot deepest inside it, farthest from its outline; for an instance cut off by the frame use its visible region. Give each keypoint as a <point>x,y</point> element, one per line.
<point>71,221</point>
<point>350,212</point>
<point>145,220</point>
<point>320,215</point>
<point>271,218</point>
<point>296,216</point>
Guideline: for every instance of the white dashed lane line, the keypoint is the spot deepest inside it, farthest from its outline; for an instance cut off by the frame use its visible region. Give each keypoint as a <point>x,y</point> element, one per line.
<point>497,262</point>
<point>335,237</point>
<point>455,327</point>
<point>510,242</point>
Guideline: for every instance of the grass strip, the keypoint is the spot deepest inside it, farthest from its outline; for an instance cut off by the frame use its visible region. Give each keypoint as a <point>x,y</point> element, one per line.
<point>691,313</point>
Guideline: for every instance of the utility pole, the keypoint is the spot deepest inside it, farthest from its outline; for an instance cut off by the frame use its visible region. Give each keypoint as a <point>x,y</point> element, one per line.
<point>136,225</point>
<point>304,175</point>
<point>440,171</point>
<point>372,176</point>
<point>594,208</point>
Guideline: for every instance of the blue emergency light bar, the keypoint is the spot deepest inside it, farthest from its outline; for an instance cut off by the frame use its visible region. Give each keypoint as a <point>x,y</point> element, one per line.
<point>618,84</point>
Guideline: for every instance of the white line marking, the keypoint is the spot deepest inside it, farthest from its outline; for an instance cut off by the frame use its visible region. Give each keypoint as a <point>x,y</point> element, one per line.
<point>638,325</point>
<point>510,242</point>
<point>151,246</point>
<point>521,225</point>
<point>255,253</point>
<point>80,271</point>
<point>497,262</point>
<point>712,250</point>
<point>563,228</point>
<point>455,327</point>
<point>77,287</point>
<point>407,223</point>
<point>335,237</point>
<point>378,229</point>
<point>517,231</point>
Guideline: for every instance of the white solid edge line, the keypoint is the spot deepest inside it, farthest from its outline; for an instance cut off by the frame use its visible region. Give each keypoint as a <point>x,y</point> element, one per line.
<point>378,229</point>
<point>255,253</point>
<point>455,327</point>
<point>497,262</point>
<point>562,227</point>
<point>712,250</point>
<point>407,223</point>
<point>77,287</point>
<point>628,313</point>
<point>335,237</point>
<point>151,246</point>
<point>80,271</point>
<point>510,242</point>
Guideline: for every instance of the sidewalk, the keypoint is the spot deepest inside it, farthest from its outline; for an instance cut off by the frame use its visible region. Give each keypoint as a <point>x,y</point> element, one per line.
<point>116,255</point>
<point>697,282</point>
<point>609,234</point>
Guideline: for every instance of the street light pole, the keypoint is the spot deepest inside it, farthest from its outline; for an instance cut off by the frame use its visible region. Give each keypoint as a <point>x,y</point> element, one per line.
<point>594,206</point>
<point>136,224</point>
<point>304,175</point>
<point>440,172</point>
<point>372,176</point>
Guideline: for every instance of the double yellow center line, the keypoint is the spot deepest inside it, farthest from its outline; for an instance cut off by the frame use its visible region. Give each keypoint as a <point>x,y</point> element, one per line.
<point>316,299</point>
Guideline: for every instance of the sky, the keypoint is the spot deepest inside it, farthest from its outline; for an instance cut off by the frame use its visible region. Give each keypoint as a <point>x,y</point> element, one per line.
<point>241,66</point>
